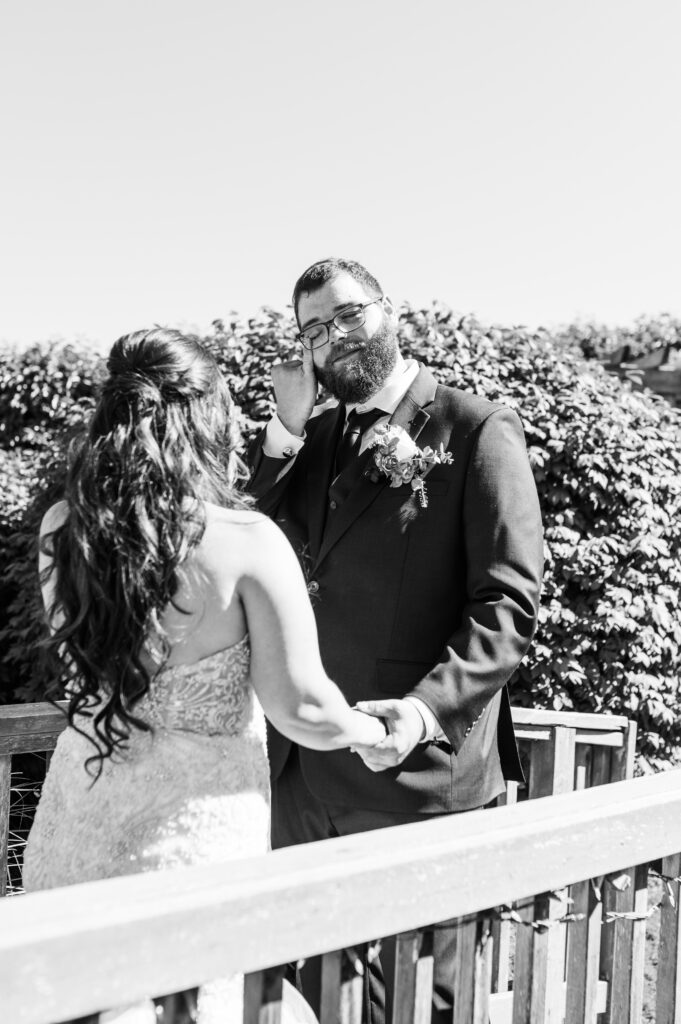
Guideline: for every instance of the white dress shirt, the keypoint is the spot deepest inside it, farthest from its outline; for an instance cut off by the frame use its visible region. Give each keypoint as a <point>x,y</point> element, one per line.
<point>281,444</point>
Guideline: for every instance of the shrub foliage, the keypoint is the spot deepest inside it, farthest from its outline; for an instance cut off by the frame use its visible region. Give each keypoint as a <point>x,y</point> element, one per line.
<point>607,462</point>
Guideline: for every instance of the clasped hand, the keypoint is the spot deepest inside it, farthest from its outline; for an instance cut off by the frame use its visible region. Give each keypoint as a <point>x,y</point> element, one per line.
<point>404,729</point>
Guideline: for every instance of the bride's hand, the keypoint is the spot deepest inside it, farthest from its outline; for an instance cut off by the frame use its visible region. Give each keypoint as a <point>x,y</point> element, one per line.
<point>371,731</point>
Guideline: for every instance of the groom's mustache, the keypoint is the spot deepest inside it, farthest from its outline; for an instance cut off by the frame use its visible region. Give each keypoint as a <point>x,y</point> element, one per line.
<point>346,351</point>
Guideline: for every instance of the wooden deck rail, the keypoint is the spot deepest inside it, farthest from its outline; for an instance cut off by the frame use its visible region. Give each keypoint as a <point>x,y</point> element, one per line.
<point>564,751</point>
<point>71,952</point>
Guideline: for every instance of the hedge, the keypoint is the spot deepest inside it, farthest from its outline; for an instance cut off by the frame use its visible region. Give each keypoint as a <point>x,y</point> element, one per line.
<point>607,463</point>
<point>598,341</point>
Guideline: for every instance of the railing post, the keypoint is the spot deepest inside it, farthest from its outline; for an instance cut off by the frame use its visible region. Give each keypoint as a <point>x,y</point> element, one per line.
<point>583,956</point>
<point>501,930</point>
<point>616,945</point>
<point>262,996</point>
<point>540,958</point>
<point>413,987</point>
<point>5,796</point>
<point>669,957</point>
<point>638,946</point>
<point>472,970</point>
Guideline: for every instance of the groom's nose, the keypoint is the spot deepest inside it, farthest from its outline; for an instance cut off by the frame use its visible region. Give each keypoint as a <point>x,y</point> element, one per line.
<point>335,334</point>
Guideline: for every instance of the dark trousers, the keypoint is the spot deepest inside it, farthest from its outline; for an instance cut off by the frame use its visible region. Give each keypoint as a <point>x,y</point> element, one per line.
<point>299,817</point>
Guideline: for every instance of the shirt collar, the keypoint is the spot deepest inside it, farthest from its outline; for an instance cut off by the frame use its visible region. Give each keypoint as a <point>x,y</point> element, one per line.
<point>400,379</point>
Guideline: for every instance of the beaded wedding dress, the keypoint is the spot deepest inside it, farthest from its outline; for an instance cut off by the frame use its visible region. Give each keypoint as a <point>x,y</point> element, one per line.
<point>193,791</point>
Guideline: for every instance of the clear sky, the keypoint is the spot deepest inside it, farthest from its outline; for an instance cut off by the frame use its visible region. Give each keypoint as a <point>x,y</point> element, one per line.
<point>171,161</point>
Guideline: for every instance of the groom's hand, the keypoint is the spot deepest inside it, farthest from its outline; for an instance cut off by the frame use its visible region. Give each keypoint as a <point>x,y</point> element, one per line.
<point>295,391</point>
<point>405,728</point>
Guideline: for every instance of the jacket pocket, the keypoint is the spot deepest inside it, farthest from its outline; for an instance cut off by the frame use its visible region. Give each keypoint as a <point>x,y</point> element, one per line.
<point>399,677</point>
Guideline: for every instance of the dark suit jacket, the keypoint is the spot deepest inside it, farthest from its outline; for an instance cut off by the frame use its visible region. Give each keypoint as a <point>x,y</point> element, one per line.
<point>440,604</point>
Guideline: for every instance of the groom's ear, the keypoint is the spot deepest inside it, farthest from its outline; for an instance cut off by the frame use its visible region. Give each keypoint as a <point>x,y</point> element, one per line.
<point>389,307</point>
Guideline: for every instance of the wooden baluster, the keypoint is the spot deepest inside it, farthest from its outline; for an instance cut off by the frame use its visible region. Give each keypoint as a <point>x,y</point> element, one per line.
<point>262,996</point>
<point>341,990</point>
<point>542,956</point>
<point>623,758</point>
<point>330,999</point>
<point>616,945</point>
<point>538,990</point>
<point>407,947</point>
<point>472,970</point>
<point>583,956</point>
<point>669,958</point>
<point>638,945</point>
<point>617,937</point>
<point>501,930</point>
<point>423,999</point>
<point>177,1008</point>
<point>583,937</point>
<point>5,796</point>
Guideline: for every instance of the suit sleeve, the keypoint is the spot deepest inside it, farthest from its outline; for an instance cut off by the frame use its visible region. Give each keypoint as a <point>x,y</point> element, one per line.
<point>503,545</point>
<point>269,476</point>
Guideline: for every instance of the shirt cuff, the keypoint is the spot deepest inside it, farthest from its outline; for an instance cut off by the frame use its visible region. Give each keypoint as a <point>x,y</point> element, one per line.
<point>433,729</point>
<point>279,442</point>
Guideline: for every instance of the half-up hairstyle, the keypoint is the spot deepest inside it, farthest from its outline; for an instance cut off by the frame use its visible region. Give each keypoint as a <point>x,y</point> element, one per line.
<point>161,440</point>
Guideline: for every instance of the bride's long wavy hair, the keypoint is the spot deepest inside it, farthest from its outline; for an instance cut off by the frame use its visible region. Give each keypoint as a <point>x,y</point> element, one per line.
<point>162,440</point>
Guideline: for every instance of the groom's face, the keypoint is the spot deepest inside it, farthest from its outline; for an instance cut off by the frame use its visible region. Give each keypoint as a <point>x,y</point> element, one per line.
<point>353,366</point>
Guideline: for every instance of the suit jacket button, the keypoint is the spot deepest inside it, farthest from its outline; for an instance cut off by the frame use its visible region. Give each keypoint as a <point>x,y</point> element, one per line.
<point>313,587</point>
<point>333,504</point>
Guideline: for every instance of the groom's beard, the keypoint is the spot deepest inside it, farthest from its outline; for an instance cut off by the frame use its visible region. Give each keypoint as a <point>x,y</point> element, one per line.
<point>364,372</point>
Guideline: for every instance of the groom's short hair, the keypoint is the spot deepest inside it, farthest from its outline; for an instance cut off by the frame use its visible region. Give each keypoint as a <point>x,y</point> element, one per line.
<point>322,271</point>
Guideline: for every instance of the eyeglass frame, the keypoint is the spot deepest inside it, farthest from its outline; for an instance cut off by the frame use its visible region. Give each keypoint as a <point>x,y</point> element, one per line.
<point>327,323</point>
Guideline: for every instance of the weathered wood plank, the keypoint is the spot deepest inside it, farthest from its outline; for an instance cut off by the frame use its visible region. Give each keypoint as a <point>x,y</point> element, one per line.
<point>30,728</point>
<point>483,971</point>
<point>166,931</point>
<point>568,719</point>
<point>638,944</point>
<point>5,796</point>
<point>668,1003</point>
<point>623,760</point>
<point>423,1000</point>
<point>407,946</point>
<point>593,738</point>
<point>262,996</point>
<point>539,958</point>
<point>464,969</point>
<point>538,993</point>
<point>329,1002</point>
<point>616,945</point>
<point>583,956</point>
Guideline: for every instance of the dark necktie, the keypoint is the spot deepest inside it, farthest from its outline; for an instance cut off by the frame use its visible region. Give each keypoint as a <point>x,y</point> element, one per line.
<point>351,441</point>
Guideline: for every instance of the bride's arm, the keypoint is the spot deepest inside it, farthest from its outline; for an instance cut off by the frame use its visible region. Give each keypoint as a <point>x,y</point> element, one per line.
<point>286,669</point>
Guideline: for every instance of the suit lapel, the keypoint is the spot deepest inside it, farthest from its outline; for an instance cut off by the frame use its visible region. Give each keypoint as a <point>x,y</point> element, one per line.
<point>410,414</point>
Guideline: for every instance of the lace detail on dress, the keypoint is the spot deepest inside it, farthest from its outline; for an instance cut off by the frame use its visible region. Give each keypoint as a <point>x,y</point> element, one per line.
<point>208,696</point>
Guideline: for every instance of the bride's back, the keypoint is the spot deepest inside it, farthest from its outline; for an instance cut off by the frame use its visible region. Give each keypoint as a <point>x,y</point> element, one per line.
<point>207,615</point>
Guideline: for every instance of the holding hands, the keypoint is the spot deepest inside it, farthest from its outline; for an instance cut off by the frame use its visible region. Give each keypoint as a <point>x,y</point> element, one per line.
<point>404,730</point>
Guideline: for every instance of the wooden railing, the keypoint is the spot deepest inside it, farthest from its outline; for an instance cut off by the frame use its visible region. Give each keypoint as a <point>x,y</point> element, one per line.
<point>563,751</point>
<point>70,952</point>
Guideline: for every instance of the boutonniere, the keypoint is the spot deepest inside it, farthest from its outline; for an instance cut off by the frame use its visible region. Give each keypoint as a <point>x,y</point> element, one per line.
<point>402,461</point>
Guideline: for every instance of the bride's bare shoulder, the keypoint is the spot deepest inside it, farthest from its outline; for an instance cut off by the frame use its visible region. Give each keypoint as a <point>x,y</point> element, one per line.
<point>246,532</point>
<point>218,517</point>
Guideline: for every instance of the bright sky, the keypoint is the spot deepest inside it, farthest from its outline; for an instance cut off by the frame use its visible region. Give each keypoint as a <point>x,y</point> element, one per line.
<point>171,161</point>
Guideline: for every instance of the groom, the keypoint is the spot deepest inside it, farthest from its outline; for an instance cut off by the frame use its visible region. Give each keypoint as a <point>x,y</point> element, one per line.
<point>425,604</point>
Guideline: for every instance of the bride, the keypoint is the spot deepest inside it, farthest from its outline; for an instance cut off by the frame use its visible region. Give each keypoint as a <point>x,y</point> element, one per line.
<point>178,614</point>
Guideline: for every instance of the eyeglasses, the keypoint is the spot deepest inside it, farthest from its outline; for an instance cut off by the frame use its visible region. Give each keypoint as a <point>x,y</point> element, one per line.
<point>346,321</point>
